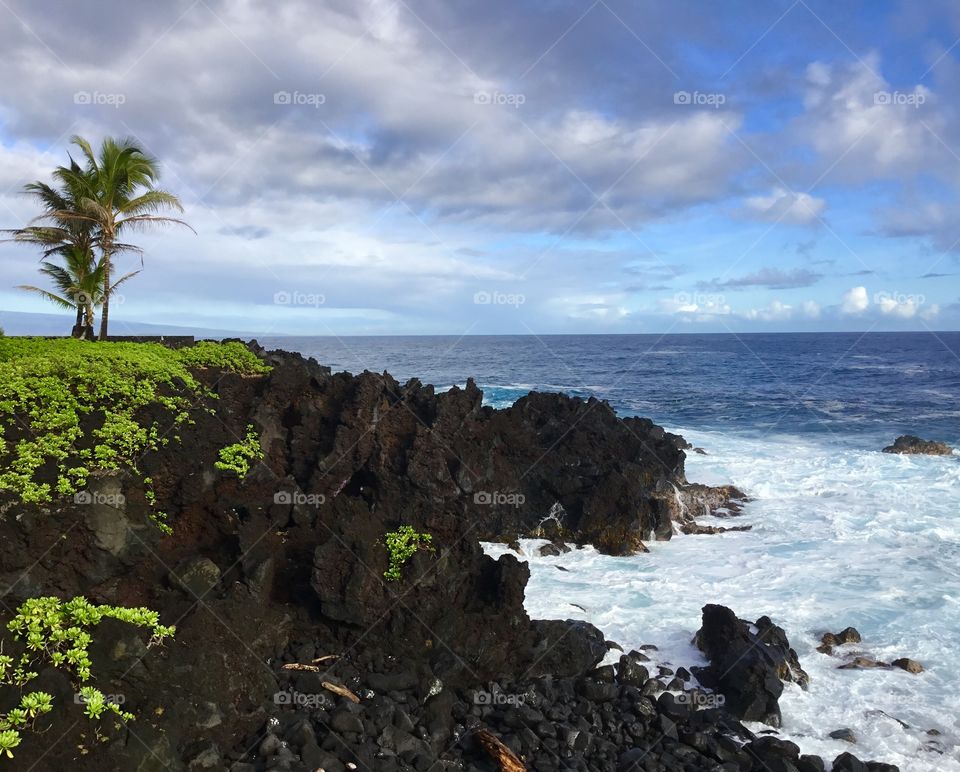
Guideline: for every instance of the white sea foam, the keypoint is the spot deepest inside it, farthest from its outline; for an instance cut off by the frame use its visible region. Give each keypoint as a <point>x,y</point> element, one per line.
<point>841,536</point>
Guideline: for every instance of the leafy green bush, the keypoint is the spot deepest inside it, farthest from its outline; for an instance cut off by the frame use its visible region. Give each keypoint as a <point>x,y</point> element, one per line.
<point>70,409</point>
<point>232,356</point>
<point>57,633</point>
<point>402,544</point>
<point>237,458</point>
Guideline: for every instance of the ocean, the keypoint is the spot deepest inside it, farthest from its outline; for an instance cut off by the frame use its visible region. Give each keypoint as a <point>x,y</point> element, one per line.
<point>842,534</point>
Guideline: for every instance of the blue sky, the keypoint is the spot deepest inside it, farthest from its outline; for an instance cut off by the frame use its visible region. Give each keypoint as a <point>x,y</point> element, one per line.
<point>511,167</point>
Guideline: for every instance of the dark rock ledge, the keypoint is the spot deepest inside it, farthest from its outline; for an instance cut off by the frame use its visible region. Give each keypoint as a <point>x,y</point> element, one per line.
<point>286,568</point>
<point>908,444</point>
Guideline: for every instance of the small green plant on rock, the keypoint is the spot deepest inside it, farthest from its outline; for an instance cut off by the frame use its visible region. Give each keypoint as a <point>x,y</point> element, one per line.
<point>402,544</point>
<point>57,633</point>
<point>238,457</point>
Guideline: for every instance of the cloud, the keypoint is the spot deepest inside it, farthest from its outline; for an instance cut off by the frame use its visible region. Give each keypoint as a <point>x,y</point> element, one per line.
<point>855,301</point>
<point>892,307</point>
<point>397,158</point>
<point>904,306</point>
<point>863,128</point>
<point>782,205</point>
<point>936,220</point>
<point>770,278</point>
<point>775,311</point>
<point>695,307</point>
<point>778,311</point>
<point>252,232</point>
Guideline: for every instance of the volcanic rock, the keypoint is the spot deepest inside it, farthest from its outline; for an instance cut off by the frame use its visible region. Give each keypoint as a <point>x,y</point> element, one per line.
<point>910,665</point>
<point>747,667</point>
<point>909,444</point>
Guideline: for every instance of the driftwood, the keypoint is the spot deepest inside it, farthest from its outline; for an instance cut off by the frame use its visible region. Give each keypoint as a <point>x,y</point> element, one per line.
<point>298,666</point>
<point>325,658</point>
<point>505,757</point>
<point>343,691</point>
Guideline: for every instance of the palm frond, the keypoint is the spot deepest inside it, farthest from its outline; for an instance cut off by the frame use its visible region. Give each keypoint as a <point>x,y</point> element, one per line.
<point>55,299</point>
<point>122,279</point>
<point>144,220</point>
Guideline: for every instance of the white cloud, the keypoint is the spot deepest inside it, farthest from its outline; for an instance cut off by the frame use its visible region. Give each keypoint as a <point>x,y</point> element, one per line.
<point>855,301</point>
<point>775,311</point>
<point>864,128</point>
<point>782,205</point>
<point>698,307</point>
<point>892,307</point>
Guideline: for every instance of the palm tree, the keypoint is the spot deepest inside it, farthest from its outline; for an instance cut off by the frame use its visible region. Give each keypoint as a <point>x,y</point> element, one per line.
<point>114,193</point>
<point>62,236</point>
<point>79,284</point>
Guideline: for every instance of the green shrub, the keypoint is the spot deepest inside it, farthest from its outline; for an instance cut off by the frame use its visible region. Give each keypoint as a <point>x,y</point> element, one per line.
<point>232,356</point>
<point>70,409</point>
<point>401,546</point>
<point>57,633</point>
<point>237,458</point>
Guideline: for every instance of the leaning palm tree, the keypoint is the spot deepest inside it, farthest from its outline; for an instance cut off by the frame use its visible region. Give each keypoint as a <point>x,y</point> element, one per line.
<point>78,284</point>
<point>115,193</point>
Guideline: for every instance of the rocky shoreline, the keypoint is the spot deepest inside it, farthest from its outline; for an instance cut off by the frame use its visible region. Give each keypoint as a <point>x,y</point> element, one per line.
<point>293,652</point>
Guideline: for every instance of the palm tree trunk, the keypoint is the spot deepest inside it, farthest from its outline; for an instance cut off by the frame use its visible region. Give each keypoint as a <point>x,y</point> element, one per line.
<point>88,320</point>
<point>77,331</point>
<point>105,311</point>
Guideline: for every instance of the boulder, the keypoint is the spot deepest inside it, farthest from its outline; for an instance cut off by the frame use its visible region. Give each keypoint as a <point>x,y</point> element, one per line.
<point>845,636</point>
<point>863,663</point>
<point>910,665</point>
<point>846,735</point>
<point>197,576</point>
<point>569,647</point>
<point>909,444</point>
<point>747,667</point>
<point>553,549</point>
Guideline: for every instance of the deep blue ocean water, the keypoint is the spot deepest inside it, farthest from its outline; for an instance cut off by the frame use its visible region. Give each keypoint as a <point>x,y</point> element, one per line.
<point>875,384</point>
<point>842,534</point>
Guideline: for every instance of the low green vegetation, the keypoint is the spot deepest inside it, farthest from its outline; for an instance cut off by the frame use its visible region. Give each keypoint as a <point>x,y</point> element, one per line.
<point>70,410</point>
<point>238,457</point>
<point>401,545</point>
<point>57,633</point>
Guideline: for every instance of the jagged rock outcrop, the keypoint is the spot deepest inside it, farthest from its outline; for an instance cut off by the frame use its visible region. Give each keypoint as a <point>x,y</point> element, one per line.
<point>294,555</point>
<point>747,665</point>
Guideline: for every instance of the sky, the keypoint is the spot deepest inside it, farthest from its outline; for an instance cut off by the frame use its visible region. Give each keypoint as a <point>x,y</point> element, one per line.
<point>563,166</point>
